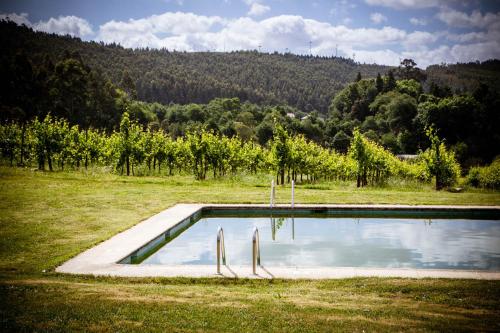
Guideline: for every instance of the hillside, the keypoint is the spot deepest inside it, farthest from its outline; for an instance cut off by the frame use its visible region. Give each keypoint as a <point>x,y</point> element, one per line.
<point>465,77</point>
<point>308,83</point>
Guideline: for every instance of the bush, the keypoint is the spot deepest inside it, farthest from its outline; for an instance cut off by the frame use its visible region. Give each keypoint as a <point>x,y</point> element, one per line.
<point>440,162</point>
<point>487,177</point>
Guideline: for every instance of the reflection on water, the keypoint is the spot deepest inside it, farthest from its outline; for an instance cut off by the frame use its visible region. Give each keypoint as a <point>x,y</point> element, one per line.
<point>341,242</point>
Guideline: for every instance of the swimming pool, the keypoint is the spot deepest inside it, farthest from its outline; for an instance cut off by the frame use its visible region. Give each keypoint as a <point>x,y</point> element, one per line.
<point>397,239</point>
<point>310,241</point>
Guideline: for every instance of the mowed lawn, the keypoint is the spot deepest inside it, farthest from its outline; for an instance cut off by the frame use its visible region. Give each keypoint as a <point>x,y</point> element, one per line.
<point>47,218</point>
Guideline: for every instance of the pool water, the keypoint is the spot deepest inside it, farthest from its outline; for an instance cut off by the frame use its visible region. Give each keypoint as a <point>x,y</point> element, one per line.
<point>340,242</point>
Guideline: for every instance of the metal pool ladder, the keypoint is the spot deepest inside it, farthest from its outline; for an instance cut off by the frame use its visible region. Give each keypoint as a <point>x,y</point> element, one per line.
<point>221,249</point>
<point>255,250</point>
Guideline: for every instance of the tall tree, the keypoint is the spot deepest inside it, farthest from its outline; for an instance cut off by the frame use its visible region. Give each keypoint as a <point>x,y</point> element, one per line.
<point>379,83</point>
<point>390,81</point>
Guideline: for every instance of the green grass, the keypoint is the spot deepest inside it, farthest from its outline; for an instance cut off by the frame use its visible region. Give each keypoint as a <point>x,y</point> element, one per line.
<point>47,218</point>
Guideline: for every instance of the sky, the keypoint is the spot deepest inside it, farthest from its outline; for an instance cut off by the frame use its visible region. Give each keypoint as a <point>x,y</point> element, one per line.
<point>368,31</point>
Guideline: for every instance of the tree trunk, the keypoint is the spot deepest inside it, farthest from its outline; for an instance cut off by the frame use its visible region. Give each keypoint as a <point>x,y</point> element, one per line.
<point>86,153</point>
<point>49,160</point>
<point>128,166</point>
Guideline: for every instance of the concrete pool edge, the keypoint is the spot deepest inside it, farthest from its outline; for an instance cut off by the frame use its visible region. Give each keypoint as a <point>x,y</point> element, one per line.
<point>103,258</point>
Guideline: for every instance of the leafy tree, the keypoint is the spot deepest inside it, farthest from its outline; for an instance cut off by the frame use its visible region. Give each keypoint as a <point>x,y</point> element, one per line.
<point>127,140</point>
<point>409,87</point>
<point>128,85</point>
<point>48,137</point>
<point>440,162</point>
<point>379,83</point>
<point>408,70</point>
<point>341,141</point>
<point>280,151</point>
<point>9,140</point>
<point>390,82</point>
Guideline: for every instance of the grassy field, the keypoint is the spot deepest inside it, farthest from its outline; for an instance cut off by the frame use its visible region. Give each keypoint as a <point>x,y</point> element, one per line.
<point>47,218</point>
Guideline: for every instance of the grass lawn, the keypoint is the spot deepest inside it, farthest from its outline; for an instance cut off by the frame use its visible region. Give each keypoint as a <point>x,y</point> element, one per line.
<point>47,218</point>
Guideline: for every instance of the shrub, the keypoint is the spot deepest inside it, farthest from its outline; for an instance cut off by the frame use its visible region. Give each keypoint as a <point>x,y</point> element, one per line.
<point>487,177</point>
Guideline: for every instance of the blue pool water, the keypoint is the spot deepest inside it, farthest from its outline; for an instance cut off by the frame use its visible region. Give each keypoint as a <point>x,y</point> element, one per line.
<point>340,242</point>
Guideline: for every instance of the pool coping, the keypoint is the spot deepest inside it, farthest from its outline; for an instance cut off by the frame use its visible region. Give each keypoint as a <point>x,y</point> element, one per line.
<point>102,259</point>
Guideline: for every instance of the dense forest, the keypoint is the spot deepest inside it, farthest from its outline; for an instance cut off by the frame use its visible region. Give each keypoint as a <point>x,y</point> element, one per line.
<point>167,76</point>
<point>245,94</point>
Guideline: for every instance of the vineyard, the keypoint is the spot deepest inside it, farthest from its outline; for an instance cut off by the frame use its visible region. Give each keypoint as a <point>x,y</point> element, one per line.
<point>131,150</point>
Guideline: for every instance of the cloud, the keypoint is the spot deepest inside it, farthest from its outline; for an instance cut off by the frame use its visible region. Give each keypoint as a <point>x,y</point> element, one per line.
<point>20,19</point>
<point>377,18</point>
<point>257,9</point>
<point>419,40</point>
<point>405,4</point>
<point>147,31</point>
<point>476,19</point>
<point>417,21</point>
<point>65,25</point>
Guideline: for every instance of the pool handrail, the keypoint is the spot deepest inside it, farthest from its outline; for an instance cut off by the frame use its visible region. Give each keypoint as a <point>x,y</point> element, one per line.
<point>221,249</point>
<point>255,250</point>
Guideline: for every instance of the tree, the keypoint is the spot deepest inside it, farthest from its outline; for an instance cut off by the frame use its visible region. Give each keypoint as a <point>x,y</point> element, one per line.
<point>128,85</point>
<point>379,83</point>
<point>341,141</point>
<point>440,162</point>
<point>280,151</point>
<point>408,70</point>
<point>48,139</point>
<point>128,137</point>
<point>358,77</point>
<point>390,81</point>
<point>69,91</point>
<point>409,87</point>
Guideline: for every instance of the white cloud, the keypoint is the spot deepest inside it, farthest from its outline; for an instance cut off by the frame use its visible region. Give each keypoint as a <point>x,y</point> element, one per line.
<point>405,4</point>
<point>389,57</point>
<point>420,40</point>
<point>70,25</point>
<point>417,21</point>
<point>147,31</point>
<point>63,25</point>
<point>20,19</point>
<point>476,19</point>
<point>257,9</point>
<point>378,18</point>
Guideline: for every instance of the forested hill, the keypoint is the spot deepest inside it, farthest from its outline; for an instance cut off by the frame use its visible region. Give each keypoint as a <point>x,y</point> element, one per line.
<point>465,77</point>
<point>308,83</point>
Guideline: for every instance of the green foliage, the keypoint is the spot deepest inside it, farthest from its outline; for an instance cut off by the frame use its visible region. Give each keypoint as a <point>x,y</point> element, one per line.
<point>375,165</point>
<point>10,141</point>
<point>440,162</point>
<point>280,150</point>
<point>409,87</point>
<point>486,177</point>
<point>134,150</point>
